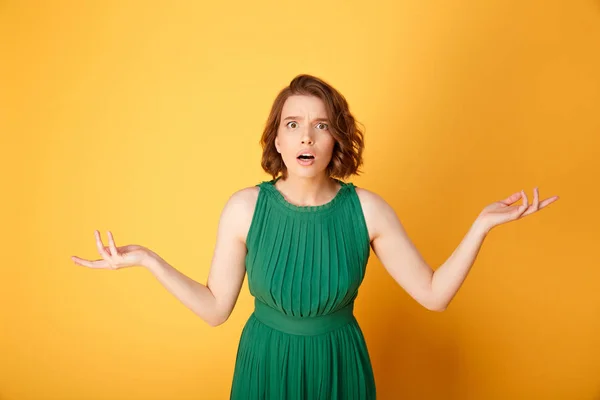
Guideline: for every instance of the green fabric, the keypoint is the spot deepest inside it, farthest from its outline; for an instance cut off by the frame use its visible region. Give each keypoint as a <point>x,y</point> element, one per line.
<point>304,266</point>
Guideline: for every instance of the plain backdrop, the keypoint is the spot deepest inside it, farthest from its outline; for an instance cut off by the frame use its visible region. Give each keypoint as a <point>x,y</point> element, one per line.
<point>144,117</point>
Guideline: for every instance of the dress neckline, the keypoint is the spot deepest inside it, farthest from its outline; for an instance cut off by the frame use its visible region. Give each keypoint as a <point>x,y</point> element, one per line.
<point>310,209</point>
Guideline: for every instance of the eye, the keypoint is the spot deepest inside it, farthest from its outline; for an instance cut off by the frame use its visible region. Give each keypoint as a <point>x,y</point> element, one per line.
<point>321,123</point>
<point>291,122</point>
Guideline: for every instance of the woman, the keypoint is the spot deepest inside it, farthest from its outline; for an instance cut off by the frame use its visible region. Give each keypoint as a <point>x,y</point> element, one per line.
<point>304,239</point>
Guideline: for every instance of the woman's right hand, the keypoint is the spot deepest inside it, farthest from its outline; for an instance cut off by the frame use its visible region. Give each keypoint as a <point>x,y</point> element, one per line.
<point>114,257</point>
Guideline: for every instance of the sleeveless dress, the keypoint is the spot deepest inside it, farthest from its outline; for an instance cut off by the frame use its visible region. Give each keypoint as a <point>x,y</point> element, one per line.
<point>304,266</point>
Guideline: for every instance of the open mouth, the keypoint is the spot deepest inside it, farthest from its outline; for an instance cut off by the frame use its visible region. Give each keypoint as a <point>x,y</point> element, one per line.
<point>306,160</point>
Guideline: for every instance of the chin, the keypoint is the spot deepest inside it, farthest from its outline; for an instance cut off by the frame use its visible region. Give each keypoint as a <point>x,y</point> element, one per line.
<point>309,173</point>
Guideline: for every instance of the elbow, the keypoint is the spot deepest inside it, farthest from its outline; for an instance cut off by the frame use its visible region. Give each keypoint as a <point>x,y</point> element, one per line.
<point>215,314</point>
<point>214,323</point>
<point>431,306</point>
<point>438,308</point>
<point>216,320</point>
<point>435,305</point>
<point>433,302</point>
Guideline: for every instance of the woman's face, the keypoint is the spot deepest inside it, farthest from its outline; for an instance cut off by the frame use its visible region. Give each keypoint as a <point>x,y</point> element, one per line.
<point>304,128</point>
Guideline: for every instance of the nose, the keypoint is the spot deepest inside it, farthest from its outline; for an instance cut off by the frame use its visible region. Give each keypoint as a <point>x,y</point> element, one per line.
<point>307,136</point>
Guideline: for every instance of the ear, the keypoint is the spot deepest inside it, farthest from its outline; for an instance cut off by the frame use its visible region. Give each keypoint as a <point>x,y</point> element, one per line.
<point>277,145</point>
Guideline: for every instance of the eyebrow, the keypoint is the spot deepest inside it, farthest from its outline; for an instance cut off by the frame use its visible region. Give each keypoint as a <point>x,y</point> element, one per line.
<point>296,117</point>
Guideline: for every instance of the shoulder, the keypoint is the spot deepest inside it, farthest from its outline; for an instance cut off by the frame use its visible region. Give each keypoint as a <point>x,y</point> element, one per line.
<point>244,197</point>
<point>369,200</point>
<point>375,209</point>
<point>243,201</point>
<point>239,209</point>
<point>367,197</point>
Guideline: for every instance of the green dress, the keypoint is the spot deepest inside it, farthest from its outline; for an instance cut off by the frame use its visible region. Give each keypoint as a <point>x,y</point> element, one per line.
<point>304,266</point>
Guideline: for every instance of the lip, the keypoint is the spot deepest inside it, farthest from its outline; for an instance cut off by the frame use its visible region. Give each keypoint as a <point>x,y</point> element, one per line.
<point>305,163</point>
<point>306,151</point>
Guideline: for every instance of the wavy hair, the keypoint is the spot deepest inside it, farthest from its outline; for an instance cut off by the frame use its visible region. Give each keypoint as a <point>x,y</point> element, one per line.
<point>349,138</point>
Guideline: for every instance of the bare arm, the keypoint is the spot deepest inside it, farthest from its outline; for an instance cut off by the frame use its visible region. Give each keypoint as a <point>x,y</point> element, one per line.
<point>435,290</point>
<point>449,277</point>
<point>214,301</point>
<point>432,289</point>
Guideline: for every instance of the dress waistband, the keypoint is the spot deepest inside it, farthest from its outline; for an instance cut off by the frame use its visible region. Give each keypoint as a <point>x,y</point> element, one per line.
<point>307,326</point>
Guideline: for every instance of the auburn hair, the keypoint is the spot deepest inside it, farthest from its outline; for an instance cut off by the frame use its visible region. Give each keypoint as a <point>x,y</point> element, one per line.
<point>349,137</point>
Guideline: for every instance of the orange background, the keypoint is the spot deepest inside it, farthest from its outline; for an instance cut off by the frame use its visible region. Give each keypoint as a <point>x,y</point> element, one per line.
<point>144,117</point>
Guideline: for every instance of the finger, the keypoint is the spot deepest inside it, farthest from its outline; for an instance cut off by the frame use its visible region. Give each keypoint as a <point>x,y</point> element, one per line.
<point>111,242</point>
<point>90,264</point>
<point>521,210</point>
<point>511,199</point>
<point>543,204</point>
<point>536,198</point>
<point>548,201</point>
<point>100,246</point>
<point>525,200</point>
<point>534,206</point>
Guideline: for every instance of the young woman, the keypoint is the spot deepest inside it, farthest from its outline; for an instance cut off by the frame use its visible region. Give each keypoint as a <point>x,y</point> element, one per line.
<point>304,239</point>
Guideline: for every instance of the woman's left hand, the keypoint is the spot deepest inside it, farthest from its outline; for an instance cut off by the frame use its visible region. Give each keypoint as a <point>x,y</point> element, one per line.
<point>503,211</point>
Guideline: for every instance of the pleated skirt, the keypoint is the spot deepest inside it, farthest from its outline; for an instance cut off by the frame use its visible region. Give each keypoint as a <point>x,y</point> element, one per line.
<point>322,359</point>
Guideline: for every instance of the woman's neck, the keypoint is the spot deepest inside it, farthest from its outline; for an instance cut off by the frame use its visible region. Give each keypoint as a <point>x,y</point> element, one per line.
<point>308,191</point>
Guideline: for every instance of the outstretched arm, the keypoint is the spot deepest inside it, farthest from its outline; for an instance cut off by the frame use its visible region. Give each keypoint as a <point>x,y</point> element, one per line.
<point>432,289</point>
<point>449,277</point>
<point>435,289</point>
<point>214,301</point>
